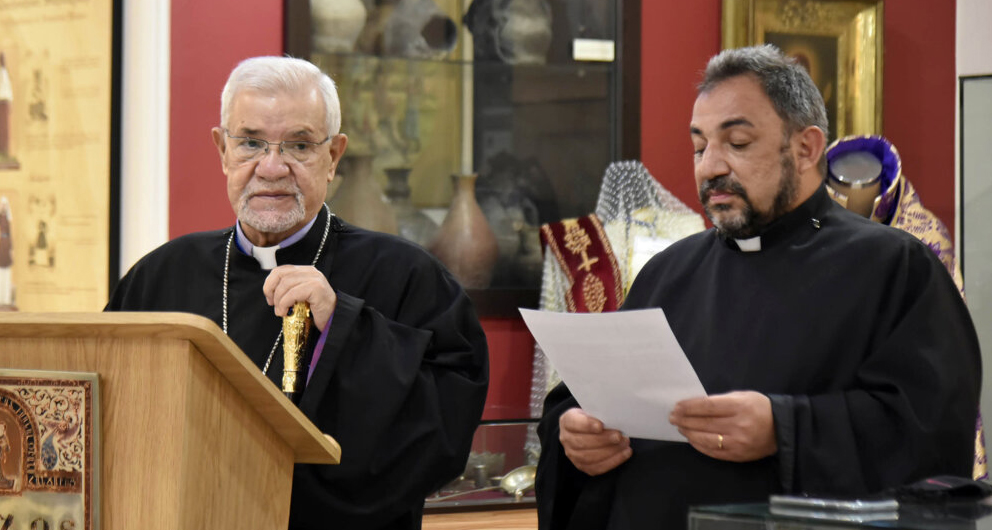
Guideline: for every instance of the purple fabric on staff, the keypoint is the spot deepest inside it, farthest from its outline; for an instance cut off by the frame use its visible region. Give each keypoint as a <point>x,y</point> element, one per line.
<point>319,347</point>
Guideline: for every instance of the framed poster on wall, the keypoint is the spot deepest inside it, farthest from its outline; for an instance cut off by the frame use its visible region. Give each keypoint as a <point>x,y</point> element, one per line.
<point>58,144</point>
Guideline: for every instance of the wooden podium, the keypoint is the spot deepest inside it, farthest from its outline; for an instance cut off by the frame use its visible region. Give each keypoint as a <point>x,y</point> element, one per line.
<point>192,434</point>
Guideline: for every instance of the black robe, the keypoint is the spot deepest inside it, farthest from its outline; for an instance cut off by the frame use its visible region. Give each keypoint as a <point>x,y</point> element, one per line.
<point>400,383</point>
<point>853,329</point>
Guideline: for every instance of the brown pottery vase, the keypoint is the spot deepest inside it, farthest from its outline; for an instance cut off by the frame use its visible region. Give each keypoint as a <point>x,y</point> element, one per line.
<point>465,243</point>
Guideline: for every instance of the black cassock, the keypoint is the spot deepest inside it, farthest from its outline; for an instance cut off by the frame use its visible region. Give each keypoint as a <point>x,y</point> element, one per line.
<point>401,380</point>
<point>853,329</point>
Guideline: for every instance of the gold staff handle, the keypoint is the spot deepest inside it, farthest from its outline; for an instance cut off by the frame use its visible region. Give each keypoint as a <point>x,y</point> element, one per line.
<point>295,330</point>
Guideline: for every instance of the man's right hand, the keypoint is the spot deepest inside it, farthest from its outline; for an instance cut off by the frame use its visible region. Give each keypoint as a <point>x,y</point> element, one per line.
<point>591,447</point>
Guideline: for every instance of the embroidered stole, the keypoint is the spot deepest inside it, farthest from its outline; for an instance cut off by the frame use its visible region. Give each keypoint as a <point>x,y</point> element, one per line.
<point>586,257</point>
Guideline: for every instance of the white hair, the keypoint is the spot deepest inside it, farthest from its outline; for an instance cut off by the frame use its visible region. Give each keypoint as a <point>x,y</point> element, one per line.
<point>272,75</point>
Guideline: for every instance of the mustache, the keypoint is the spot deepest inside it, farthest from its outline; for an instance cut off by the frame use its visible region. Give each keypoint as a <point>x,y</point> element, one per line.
<point>256,187</point>
<point>723,184</point>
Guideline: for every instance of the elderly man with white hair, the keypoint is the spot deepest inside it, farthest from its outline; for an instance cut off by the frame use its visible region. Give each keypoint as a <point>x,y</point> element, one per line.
<point>397,365</point>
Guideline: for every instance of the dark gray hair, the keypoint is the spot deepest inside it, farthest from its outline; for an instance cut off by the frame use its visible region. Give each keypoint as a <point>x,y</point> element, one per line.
<point>272,75</point>
<point>786,83</point>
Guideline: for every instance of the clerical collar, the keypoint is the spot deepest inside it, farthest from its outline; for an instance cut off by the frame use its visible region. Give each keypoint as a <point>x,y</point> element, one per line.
<point>749,245</point>
<point>808,214</point>
<point>266,256</point>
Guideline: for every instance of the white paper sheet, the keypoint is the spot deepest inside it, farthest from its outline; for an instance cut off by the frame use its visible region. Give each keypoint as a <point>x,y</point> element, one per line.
<point>625,368</point>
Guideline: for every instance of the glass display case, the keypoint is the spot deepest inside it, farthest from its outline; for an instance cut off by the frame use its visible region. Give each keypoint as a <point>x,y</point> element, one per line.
<point>500,472</point>
<point>472,122</point>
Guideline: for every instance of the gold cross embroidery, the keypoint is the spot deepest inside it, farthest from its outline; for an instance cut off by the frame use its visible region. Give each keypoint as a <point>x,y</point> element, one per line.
<point>578,241</point>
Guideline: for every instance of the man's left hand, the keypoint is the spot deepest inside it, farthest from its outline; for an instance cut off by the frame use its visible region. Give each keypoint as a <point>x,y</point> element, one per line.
<point>288,284</point>
<point>737,426</point>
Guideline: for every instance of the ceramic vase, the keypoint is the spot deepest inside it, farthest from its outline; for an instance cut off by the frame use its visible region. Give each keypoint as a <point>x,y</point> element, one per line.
<point>336,24</point>
<point>412,223</point>
<point>465,243</point>
<point>359,199</point>
<point>419,29</point>
<point>511,31</point>
<point>525,32</point>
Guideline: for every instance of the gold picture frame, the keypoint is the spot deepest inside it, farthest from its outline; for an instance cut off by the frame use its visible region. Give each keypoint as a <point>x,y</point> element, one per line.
<point>838,41</point>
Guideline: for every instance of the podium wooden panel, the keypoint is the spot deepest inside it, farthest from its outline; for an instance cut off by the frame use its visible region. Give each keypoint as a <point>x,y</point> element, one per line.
<point>193,435</point>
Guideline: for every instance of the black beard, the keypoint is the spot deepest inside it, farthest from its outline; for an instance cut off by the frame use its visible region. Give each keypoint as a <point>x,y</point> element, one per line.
<point>750,223</point>
<point>739,227</point>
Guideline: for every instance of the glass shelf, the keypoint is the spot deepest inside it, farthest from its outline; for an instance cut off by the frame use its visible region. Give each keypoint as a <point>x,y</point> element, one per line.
<point>570,65</point>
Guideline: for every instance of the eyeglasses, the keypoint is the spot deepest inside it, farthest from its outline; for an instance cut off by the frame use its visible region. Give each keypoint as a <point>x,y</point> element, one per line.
<point>247,148</point>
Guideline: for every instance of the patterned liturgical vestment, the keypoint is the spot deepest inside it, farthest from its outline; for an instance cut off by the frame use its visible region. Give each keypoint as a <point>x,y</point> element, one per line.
<point>898,205</point>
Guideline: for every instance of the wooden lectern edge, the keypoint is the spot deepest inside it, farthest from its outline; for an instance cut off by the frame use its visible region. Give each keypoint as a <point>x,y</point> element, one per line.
<point>312,447</point>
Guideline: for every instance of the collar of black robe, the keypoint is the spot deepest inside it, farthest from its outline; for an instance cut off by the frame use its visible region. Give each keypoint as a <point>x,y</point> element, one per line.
<point>808,215</point>
<point>266,256</point>
<point>300,253</point>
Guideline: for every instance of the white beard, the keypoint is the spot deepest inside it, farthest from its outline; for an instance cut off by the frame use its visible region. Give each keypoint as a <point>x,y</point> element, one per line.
<point>270,221</point>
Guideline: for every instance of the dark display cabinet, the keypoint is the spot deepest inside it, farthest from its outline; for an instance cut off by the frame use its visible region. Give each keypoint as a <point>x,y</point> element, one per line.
<point>533,97</point>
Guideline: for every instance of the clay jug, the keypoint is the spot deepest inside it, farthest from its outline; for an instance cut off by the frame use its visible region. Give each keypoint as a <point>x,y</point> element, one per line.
<point>465,243</point>
<point>419,29</point>
<point>511,31</point>
<point>336,24</point>
<point>359,199</point>
<point>412,223</point>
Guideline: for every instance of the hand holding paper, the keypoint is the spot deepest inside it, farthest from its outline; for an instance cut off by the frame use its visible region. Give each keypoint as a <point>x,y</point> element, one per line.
<point>736,426</point>
<point>591,447</point>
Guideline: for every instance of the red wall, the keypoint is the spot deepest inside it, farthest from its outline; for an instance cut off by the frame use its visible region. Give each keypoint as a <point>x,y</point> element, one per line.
<point>511,355</point>
<point>209,38</point>
<point>918,91</point>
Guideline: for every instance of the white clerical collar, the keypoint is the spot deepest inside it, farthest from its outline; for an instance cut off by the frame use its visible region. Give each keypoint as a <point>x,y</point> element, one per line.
<point>749,245</point>
<point>266,256</point>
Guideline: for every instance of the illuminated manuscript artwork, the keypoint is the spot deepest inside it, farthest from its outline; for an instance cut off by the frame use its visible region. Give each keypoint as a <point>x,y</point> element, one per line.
<point>49,449</point>
<point>55,154</point>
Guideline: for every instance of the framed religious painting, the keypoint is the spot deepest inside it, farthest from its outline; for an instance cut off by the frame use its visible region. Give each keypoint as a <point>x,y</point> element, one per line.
<point>838,41</point>
<point>59,154</point>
